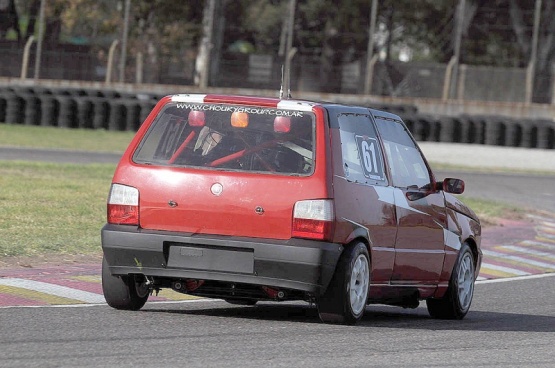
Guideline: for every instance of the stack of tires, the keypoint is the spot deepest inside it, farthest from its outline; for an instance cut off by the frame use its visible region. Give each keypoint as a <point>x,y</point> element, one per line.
<point>482,129</point>
<point>75,108</point>
<point>112,110</point>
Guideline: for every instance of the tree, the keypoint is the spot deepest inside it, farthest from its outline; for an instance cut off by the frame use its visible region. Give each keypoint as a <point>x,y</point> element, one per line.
<point>9,18</point>
<point>543,79</point>
<point>335,32</point>
<point>157,27</point>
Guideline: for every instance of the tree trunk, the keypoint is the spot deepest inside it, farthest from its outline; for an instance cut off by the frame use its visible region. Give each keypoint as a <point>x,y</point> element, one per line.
<point>202,65</point>
<point>517,22</point>
<point>545,57</point>
<point>543,78</point>
<point>219,29</point>
<point>33,17</point>
<point>330,60</point>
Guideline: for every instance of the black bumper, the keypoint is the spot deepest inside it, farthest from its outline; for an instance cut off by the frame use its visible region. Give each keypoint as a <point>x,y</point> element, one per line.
<point>296,264</point>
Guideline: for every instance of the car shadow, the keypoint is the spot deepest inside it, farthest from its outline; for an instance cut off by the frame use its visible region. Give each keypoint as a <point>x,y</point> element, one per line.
<point>377,317</point>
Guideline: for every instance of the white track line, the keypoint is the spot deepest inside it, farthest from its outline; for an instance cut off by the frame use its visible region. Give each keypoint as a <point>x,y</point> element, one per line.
<point>530,251</point>
<point>537,244</point>
<point>512,271</point>
<point>549,266</point>
<point>104,304</point>
<point>518,278</point>
<point>57,290</point>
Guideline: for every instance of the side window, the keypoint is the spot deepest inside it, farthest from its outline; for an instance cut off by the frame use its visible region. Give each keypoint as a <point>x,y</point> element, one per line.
<point>408,168</point>
<point>362,154</point>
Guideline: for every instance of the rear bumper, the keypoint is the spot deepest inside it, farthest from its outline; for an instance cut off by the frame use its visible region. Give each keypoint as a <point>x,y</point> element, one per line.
<point>296,264</point>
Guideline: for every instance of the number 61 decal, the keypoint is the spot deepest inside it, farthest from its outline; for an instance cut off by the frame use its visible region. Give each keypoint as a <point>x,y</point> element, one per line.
<point>370,158</point>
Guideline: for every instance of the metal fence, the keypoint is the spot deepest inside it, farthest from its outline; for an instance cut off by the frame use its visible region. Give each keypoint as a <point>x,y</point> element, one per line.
<point>237,70</point>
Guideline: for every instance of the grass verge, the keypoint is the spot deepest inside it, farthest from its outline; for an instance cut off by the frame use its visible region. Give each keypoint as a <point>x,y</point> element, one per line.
<point>476,169</point>
<point>52,208</point>
<point>59,138</point>
<point>489,211</point>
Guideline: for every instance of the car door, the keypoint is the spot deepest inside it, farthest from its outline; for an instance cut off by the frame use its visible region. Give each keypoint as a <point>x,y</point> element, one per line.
<point>420,208</point>
<point>364,200</point>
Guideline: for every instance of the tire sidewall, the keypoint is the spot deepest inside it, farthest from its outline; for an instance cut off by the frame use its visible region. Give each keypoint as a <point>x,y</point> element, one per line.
<point>358,249</point>
<point>465,249</point>
<point>334,306</point>
<point>120,292</point>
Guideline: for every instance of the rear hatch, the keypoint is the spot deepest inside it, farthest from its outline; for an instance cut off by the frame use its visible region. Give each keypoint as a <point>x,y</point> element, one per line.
<point>227,168</point>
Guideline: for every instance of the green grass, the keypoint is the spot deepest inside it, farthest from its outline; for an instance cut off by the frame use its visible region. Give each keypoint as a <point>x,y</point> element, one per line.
<point>488,210</point>
<point>476,169</point>
<point>52,208</point>
<point>48,208</point>
<point>60,138</point>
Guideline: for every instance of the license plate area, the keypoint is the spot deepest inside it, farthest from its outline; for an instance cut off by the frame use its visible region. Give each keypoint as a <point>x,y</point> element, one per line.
<point>211,258</point>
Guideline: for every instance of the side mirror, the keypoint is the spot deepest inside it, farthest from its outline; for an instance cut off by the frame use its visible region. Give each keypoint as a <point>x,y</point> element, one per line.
<point>451,185</point>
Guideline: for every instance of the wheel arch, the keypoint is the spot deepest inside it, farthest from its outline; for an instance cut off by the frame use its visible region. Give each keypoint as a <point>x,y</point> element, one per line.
<point>476,254</point>
<point>359,234</point>
<point>364,240</point>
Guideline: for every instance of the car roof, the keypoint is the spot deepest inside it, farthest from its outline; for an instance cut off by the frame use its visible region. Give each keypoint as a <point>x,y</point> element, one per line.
<point>288,104</point>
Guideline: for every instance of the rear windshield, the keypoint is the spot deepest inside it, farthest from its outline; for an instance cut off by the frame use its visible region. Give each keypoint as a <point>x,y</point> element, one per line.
<point>230,137</point>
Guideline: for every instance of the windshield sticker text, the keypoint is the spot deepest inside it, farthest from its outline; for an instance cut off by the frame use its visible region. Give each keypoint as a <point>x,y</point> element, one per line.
<point>248,110</point>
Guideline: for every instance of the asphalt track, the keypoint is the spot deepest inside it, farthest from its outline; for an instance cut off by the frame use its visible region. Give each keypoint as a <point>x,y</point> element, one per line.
<point>511,324</point>
<point>60,156</point>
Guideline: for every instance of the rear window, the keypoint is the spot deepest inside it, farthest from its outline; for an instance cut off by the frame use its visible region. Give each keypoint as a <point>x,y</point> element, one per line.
<point>216,136</point>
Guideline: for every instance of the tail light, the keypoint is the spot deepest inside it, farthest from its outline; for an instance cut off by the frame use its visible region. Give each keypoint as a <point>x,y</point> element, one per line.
<point>123,205</point>
<point>313,219</point>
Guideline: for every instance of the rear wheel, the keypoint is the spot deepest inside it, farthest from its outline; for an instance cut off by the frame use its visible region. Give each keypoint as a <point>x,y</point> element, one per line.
<point>123,292</point>
<point>456,302</point>
<point>345,299</point>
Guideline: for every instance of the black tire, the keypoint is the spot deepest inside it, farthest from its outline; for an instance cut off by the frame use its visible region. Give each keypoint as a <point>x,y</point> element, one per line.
<point>123,292</point>
<point>347,294</point>
<point>456,302</point>
<point>247,302</point>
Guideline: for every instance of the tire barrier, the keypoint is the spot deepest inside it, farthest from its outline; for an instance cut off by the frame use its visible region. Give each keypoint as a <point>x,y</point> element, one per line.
<point>101,110</point>
<point>48,110</point>
<point>546,134</point>
<point>113,110</point>
<point>116,117</point>
<point>85,111</point>
<point>489,130</point>
<point>67,113</point>
<point>14,108</point>
<point>31,109</point>
<point>145,107</point>
<point>132,114</point>
<point>2,108</point>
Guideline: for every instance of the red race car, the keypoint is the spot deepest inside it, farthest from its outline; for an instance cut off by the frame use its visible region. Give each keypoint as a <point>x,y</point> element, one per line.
<point>253,199</point>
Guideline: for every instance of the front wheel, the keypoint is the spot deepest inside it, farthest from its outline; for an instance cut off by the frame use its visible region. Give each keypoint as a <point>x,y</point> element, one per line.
<point>345,299</point>
<point>456,302</point>
<point>123,292</point>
